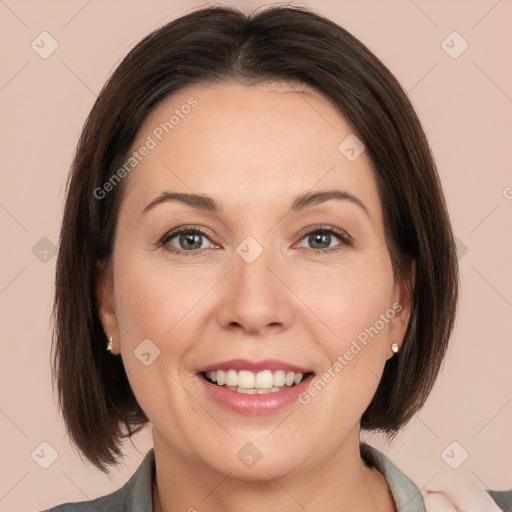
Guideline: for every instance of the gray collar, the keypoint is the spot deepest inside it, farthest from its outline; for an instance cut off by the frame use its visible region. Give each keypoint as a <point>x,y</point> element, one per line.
<point>406,495</point>
<point>138,491</point>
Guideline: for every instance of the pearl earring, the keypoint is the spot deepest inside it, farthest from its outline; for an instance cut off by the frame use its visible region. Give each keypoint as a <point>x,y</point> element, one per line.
<point>109,344</point>
<point>394,348</point>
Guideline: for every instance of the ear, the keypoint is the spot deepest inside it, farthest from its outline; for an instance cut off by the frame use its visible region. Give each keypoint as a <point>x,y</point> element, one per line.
<point>402,305</point>
<point>105,303</point>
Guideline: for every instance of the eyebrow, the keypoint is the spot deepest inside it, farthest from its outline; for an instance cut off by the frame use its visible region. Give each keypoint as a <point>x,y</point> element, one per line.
<point>301,202</point>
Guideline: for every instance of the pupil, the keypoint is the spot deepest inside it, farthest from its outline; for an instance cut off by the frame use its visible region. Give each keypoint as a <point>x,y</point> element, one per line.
<point>320,238</point>
<point>189,238</point>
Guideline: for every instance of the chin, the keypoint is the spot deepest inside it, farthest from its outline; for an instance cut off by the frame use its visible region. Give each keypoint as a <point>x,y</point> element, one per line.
<point>256,457</point>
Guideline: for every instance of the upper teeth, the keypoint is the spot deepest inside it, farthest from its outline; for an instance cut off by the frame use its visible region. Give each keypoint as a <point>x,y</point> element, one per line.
<point>265,379</point>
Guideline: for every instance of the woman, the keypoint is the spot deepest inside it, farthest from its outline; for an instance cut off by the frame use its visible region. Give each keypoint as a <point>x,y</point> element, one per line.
<point>255,257</point>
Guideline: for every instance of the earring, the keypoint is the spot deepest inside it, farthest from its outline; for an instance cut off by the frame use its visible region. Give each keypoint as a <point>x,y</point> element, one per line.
<point>109,344</point>
<point>394,348</point>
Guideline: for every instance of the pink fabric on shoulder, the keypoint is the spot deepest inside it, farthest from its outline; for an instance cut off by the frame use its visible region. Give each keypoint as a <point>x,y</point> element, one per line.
<point>453,493</point>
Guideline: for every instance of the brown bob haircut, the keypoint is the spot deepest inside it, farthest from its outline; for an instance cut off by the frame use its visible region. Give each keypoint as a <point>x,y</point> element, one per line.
<point>210,46</point>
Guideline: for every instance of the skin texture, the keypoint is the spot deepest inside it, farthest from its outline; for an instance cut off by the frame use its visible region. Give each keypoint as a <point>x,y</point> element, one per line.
<point>253,149</point>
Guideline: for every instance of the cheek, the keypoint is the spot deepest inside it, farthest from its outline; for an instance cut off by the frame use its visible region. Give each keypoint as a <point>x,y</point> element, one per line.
<point>154,301</point>
<point>353,310</point>
<point>161,307</point>
<point>358,307</point>
<point>156,304</point>
<point>350,299</point>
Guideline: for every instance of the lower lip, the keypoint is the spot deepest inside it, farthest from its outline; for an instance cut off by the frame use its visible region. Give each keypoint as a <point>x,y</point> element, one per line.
<point>255,404</point>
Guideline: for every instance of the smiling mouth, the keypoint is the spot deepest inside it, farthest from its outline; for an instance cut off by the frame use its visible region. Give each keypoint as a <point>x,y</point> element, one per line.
<point>255,383</point>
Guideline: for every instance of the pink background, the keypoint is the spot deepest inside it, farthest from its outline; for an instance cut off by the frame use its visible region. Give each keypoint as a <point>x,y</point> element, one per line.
<point>465,106</point>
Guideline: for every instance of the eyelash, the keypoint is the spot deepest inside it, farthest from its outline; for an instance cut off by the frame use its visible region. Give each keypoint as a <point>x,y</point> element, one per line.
<point>344,238</point>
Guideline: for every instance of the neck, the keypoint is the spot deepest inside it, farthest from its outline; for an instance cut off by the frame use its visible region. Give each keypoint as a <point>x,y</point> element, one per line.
<point>341,483</point>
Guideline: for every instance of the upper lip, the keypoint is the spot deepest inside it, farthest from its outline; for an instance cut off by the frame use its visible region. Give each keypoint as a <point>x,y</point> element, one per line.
<point>254,366</point>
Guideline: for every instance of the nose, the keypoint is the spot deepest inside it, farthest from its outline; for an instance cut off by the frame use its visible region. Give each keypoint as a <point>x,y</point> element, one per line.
<point>256,299</point>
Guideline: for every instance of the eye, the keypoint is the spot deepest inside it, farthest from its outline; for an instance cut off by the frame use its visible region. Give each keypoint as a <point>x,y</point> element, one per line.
<point>321,238</point>
<point>187,241</point>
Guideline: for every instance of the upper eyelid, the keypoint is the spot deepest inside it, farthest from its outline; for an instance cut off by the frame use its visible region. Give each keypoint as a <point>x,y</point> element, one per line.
<point>178,231</point>
<point>330,229</point>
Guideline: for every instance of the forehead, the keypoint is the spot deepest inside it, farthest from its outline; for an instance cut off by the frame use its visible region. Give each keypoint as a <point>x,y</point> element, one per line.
<point>255,143</point>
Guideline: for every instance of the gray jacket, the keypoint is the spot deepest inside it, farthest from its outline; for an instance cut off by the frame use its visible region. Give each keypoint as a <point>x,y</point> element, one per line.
<point>137,494</point>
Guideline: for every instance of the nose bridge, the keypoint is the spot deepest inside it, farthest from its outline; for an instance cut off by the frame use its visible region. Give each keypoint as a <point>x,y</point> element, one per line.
<point>252,265</point>
<point>253,281</point>
<point>256,298</point>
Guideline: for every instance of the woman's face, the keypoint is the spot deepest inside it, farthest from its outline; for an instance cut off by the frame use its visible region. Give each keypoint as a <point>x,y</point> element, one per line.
<point>261,290</point>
